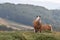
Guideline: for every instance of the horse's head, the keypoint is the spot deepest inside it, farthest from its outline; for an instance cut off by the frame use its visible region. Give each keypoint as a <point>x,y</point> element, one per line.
<point>38,18</point>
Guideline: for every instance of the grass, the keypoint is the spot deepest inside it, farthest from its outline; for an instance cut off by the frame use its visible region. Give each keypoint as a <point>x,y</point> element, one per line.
<point>25,35</point>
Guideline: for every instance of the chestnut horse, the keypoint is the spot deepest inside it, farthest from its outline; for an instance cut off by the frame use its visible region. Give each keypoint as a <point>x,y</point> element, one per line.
<point>38,26</point>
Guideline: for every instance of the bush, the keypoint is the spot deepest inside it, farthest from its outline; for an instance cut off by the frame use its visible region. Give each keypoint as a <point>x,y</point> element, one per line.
<point>39,36</point>
<point>11,36</point>
<point>45,37</point>
<point>16,35</point>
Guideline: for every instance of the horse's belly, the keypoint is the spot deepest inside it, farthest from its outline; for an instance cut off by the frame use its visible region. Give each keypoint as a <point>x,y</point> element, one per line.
<point>46,27</point>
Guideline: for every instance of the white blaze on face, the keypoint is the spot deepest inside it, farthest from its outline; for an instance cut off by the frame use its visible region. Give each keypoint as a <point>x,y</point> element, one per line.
<point>38,19</point>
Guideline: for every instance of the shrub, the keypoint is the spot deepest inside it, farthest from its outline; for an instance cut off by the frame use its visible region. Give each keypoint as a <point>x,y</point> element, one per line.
<point>11,36</point>
<point>45,37</point>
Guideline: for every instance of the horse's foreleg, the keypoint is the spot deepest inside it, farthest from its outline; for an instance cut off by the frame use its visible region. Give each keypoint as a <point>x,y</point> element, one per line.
<point>35,30</point>
<point>40,30</point>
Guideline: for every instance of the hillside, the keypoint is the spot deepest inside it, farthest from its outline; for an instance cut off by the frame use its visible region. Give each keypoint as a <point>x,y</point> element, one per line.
<point>24,14</point>
<point>9,25</point>
<point>25,35</point>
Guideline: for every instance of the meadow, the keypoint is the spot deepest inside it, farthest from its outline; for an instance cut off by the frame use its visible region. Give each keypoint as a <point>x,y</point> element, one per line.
<point>28,35</point>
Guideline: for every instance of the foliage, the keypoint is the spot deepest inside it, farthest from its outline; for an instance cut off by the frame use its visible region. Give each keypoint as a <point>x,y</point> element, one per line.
<point>11,36</point>
<point>21,35</point>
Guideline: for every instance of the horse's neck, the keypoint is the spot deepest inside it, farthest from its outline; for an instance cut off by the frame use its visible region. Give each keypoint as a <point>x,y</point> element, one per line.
<point>38,21</point>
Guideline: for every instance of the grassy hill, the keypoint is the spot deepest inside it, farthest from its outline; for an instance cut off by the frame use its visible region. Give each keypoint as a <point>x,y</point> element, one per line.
<point>25,35</point>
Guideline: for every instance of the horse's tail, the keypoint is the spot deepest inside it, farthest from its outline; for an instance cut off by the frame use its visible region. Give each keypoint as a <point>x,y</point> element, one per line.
<point>51,28</point>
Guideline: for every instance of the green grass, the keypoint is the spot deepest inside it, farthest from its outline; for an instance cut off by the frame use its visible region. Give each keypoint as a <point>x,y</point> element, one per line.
<point>25,35</point>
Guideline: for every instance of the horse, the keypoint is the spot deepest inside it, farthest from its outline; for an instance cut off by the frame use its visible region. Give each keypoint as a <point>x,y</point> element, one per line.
<point>38,26</point>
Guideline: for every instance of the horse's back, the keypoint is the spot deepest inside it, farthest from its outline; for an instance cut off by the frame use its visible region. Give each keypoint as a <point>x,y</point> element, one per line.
<point>46,27</point>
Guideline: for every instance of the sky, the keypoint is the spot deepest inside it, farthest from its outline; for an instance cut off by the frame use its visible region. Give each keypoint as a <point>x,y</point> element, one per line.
<point>49,4</point>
